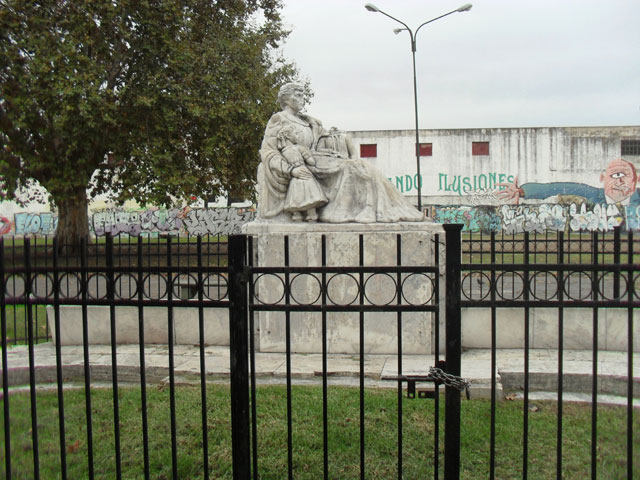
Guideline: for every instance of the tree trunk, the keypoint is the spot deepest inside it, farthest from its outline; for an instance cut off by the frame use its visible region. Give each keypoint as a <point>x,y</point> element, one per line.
<point>73,220</point>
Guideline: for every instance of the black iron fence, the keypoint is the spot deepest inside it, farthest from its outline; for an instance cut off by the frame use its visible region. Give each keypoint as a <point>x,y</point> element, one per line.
<point>559,272</point>
<point>594,272</point>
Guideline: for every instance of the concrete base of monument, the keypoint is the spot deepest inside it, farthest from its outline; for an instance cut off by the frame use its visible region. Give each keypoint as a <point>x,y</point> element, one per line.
<point>156,325</point>
<point>381,245</point>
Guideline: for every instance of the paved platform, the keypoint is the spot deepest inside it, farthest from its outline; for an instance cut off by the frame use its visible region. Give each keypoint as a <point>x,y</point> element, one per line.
<point>379,370</point>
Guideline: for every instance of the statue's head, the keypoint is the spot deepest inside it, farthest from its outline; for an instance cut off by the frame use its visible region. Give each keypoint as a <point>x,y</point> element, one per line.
<point>287,91</point>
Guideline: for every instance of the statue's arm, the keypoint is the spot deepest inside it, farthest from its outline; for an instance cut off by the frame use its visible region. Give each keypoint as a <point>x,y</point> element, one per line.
<point>271,155</point>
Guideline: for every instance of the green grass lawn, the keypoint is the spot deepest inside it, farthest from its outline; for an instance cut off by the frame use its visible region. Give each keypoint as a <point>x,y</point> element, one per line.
<point>343,432</point>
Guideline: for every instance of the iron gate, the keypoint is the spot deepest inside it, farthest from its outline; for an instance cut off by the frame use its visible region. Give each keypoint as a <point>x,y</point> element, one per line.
<point>246,305</point>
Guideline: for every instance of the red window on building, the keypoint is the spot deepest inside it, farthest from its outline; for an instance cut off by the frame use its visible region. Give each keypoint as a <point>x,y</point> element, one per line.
<point>426,150</point>
<point>480,148</point>
<point>368,150</point>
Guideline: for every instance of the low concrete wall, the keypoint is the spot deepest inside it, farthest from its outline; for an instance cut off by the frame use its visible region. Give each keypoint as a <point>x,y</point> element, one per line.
<point>156,325</point>
<point>476,328</point>
<point>543,328</point>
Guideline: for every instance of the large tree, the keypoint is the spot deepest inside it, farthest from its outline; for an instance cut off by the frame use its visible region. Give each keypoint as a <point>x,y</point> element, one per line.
<point>153,100</point>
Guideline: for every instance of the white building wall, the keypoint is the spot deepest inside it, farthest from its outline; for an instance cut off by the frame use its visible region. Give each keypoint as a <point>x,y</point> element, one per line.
<point>453,176</point>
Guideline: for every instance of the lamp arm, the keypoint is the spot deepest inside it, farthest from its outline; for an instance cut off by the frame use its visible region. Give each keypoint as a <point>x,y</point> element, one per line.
<point>400,22</point>
<point>432,20</point>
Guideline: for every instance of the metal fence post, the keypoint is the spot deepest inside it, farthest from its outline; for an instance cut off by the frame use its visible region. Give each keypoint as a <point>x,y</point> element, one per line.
<point>453,351</point>
<point>238,342</point>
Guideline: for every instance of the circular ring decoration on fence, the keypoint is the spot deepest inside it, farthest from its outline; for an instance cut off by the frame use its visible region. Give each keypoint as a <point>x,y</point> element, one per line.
<point>122,287</point>
<point>636,286</point>
<point>341,287</point>
<point>14,286</point>
<point>97,286</point>
<point>154,286</point>
<point>216,287</point>
<point>42,285</point>
<point>380,286</point>
<point>547,288</point>
<point>185,287</point>
<point>509,285</point>
<point>306,289</point>
<point>417,289</point>
<point>578,286</point>
<point>607,286</point>
<point>70,285</point>
<point>269,288</point>
<point>476,285</point>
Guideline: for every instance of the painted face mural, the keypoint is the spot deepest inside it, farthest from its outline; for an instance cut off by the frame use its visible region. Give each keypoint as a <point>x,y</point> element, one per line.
<point>619,180</point>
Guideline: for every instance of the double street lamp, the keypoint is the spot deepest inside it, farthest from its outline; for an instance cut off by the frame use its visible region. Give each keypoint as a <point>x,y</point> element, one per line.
<point>412,35</point>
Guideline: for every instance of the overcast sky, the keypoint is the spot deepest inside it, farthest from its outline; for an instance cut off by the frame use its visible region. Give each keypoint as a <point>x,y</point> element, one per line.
<point>505,63</point>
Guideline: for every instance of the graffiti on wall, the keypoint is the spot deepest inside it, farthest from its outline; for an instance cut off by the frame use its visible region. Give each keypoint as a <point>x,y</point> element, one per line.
<point>474,219</point>
<point>515,219</point>
<point>227,220</point>
<point>35,223</point>
<point>135,223</point>
<point>407,183</point>
<point>150,222</point>
<point>534,219</point>
<point>468,184</point>
<point>5,225</point>
<point>619,181</point>
<point>599,218</point>
<point>174,221</point>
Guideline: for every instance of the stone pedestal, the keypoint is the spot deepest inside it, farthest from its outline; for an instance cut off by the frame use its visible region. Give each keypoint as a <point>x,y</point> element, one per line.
<point>342,249</point>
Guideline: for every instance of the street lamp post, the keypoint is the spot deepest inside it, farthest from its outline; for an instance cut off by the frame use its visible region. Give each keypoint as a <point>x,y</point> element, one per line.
<point>412,35</point>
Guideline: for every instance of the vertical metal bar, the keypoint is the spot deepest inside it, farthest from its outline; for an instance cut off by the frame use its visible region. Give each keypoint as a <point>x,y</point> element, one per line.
<point>453,351</point>
<point>203,367</point>
<point>525,427</point>
<point>84,286</point>
<point>252,363</point>
<point>492,290</point>
<point>172,376</point>
<point>5,366</point>
<point>630,344</point>
<point>561,276</point>
<point>361,330</point>
<point>238,334</point>
<point>287,315</point>
<point>594,374</point>
<point>399,334</point>
<point>114,355</point>
<point>32,372</point>
<point>325,415</point>
<point>616,260</point>
<point>436,387</point>
<point>143,375</point>
<point>56,307</point>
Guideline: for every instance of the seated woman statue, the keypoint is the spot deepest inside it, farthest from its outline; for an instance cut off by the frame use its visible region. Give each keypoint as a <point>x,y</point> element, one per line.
<point>355,191</point>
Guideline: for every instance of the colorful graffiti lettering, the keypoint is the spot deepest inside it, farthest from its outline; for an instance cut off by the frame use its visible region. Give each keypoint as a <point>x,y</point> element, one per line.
<point>5,225</point>
<point>600,218</point>
<point>474,219</point>
<point>464,185</point>
<point>135,223</point>
<point>534,219</point>
<point>35,223</point>
<point>226,221</point>
<point>406,183</point>
<point>214,221</point>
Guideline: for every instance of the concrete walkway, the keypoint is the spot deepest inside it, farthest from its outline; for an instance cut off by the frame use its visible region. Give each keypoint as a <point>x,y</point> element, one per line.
<point>379,370</point>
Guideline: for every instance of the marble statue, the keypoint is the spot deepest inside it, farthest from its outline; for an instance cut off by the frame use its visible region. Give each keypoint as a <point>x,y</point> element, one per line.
<point>308,173</point>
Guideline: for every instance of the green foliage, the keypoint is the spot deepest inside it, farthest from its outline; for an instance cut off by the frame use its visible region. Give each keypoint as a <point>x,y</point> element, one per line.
<point>153,100</point>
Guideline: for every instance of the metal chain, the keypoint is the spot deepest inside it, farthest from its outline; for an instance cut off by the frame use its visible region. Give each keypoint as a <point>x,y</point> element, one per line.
<point>449,380</point>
